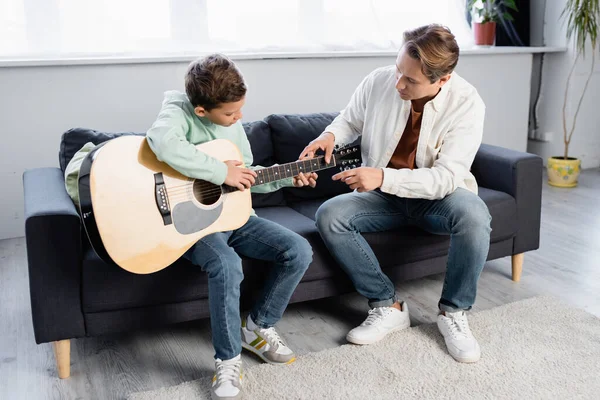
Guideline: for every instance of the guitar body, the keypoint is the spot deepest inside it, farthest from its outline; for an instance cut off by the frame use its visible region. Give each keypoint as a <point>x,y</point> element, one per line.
<point>142,214</point>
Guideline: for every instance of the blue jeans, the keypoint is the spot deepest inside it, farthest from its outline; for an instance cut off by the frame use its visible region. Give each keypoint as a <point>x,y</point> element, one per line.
<point>462,215</point>
<point>219,255</point>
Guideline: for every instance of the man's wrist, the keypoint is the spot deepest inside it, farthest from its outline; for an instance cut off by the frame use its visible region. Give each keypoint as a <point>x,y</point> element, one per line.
<point>324,134</point>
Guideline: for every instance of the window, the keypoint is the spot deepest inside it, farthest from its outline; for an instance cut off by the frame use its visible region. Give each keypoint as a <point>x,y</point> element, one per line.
<point>133,28</point>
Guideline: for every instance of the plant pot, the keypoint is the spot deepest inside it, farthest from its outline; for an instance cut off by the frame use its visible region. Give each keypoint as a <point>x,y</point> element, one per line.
<point>563,173</point>
<point>485,34</point>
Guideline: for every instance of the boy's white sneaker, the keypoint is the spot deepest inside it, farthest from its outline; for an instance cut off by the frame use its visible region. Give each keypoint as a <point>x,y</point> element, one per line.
<point>461,343</point>
<point>227,382</point>
<point>380,322</point>
<point>267,344</point>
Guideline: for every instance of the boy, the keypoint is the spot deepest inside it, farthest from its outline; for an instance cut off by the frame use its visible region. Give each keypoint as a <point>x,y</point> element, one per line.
<point>211,109</point>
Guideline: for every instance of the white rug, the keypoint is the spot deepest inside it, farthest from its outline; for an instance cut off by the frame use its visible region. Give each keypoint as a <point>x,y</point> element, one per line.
<point>533,349</point>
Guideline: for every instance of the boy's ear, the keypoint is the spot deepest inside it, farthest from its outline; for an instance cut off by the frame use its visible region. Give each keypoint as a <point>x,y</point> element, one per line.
<point>200,111</point>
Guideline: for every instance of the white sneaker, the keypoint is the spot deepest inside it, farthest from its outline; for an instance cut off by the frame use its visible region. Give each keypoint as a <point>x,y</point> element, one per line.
<point>267,344</point>
<point>380,322</point>
<point>458,337</point>
<point>227,382</point>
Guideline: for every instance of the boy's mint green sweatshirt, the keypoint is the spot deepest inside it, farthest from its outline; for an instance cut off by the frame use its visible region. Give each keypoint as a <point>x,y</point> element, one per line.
<point>173,138</point>
<point>176,132</point>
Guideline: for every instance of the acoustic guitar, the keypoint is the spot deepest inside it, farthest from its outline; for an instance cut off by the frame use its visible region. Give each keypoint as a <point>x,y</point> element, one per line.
<point>142,215</point>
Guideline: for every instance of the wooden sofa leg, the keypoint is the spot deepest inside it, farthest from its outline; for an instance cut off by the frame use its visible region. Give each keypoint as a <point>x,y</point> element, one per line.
<point>517,266</point>
<point>62,353</point>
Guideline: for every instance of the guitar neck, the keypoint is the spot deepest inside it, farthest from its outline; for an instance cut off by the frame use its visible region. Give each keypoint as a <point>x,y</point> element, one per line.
<point>284,171</point>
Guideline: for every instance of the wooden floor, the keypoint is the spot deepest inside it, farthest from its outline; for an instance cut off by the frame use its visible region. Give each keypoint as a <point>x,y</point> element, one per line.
<point>111,367</point>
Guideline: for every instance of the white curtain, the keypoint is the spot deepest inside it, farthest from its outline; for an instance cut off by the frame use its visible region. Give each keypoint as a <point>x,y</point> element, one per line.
<point>86,28</point>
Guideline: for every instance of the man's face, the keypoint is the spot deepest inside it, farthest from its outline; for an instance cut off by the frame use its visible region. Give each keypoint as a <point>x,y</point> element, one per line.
<point>226,114</point>
<point>411,83</point>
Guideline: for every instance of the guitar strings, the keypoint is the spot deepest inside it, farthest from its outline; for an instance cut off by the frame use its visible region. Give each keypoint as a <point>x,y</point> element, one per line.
<point>283,165</point>
<point>204,187</point>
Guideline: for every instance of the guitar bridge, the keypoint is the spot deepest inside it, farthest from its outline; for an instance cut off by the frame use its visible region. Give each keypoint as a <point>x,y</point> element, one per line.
<point>160,195</point>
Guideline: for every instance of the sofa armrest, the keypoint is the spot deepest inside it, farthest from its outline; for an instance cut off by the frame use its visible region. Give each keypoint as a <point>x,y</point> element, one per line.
<point>520,175</point>
<point>53,239</point>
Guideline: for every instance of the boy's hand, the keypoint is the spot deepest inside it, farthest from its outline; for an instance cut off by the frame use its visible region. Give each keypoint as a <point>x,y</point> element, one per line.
<point>324,142</point>
<point>241,178</point>
<point>303,179</point>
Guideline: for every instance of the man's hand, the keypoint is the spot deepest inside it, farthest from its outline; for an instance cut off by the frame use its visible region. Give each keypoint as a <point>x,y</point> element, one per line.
<point>363,179</point>
<point>324,142</point>
<point>309,179</point>
<point>240,178</point>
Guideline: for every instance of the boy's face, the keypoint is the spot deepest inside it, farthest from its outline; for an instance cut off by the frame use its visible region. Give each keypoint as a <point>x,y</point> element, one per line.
<point>226,114</point>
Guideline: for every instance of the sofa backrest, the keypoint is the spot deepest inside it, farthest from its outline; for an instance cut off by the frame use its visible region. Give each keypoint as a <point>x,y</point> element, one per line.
<point>74,139</point>
<point>278,139</point>
<point>290,133</point>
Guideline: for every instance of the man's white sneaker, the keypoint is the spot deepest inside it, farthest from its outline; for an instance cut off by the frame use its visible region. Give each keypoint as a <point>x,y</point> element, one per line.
<point>458,337</point>
<point>227,382</point>
<point>380,322</point>
<point>267,344</point>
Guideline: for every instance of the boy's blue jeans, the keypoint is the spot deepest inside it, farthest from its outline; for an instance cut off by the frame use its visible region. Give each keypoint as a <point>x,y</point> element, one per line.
<point>217,254</point>
<point>462,215</point>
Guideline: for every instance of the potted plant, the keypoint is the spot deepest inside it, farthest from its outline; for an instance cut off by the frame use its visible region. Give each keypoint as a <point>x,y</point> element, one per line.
<point>582,24</point>
<point>488,13</point>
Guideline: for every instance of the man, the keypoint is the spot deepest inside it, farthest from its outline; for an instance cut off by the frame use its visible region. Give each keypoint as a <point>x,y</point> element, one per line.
<point>421,126</point>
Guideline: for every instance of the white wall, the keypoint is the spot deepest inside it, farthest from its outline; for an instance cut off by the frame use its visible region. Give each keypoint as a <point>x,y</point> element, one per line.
<point>37,104</point>
<point>586,139</point>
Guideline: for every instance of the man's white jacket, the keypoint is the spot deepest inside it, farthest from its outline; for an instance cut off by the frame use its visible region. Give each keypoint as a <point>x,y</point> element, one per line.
<point>451,132</point>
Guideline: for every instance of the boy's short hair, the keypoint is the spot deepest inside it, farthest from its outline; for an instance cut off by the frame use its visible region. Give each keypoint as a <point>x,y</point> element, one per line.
<point>214,80</point>
<point>435,46</point>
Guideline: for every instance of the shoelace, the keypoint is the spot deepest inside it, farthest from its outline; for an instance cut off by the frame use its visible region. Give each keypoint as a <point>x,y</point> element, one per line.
<point>459,326</point>
<point>228,371</point>
<point>272,337</point>
<point>376,315</point>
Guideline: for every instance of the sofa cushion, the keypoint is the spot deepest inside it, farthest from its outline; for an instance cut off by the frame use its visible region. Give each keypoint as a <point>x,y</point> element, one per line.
<point>259,136</point>
<point>323,265</point>
<point>109,287</point>
<point>74,139</point>
<point>502,207</point>
<point>290,134</point>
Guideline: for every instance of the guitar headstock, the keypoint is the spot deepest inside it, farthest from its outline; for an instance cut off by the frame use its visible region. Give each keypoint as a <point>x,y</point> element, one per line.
<point>346,157</point>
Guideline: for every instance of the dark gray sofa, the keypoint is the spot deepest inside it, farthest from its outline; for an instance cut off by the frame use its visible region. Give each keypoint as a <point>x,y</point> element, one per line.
<point>74,294</point>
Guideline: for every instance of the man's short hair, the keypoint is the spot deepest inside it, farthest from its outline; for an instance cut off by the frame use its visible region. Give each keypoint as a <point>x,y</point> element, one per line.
<point>212,81</point>
<point>435,46</point>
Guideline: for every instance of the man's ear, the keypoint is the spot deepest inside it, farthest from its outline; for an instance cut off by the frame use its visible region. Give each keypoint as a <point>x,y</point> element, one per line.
<point>444,79</point>
<point>200,111</point>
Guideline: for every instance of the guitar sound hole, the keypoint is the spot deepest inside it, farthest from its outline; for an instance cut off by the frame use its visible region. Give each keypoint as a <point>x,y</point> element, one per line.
<point>206,193</point>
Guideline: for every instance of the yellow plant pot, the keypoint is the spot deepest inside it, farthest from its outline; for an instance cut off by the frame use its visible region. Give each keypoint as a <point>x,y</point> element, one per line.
<point>563,173</point>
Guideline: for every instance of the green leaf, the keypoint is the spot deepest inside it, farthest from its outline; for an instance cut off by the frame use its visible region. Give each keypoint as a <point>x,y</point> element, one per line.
<point>510,4</point>
<point>582,17</point>
<point>508,17</point>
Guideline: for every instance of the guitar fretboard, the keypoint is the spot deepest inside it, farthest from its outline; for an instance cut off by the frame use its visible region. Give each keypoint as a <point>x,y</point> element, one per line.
<point>283,171</point>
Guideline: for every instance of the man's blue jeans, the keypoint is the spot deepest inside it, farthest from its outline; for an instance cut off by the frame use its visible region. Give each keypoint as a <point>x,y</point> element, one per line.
<point>462,215</point>
<point>219,255</point>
